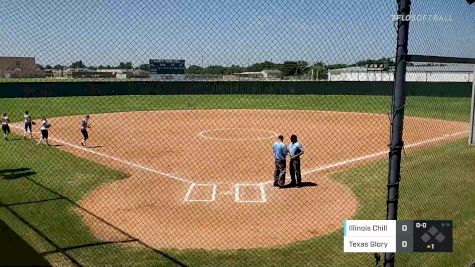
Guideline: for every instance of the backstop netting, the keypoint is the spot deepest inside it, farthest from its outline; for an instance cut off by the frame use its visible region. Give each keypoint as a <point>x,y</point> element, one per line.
<point>434,180</point>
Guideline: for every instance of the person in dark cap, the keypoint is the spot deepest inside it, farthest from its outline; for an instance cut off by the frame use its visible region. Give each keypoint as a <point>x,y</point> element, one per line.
<point>295,151</point>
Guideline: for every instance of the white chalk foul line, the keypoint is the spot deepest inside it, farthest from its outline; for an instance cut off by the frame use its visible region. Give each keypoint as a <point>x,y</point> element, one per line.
<point>272,134</point>
<point>263,192</point>
<point>318,169</point>
<point>138,166</point>
<point>188,193</point>
<point>374,155</point>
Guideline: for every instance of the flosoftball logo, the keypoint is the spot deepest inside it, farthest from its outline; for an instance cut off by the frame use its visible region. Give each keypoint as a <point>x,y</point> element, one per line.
<point>426,18</point>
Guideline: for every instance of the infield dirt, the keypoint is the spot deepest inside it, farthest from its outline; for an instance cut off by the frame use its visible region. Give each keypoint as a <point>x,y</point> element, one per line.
<point>202,179</point>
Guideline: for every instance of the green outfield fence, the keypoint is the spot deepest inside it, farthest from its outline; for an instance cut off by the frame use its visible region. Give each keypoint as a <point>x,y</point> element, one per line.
<point>98,88</point>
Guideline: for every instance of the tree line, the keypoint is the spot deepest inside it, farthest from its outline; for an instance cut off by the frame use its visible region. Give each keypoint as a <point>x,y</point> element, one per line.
<point>80,65</point>
<point>288,68</point>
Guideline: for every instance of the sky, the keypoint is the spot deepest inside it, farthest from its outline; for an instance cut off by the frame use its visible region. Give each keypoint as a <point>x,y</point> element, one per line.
<point>226,32</point>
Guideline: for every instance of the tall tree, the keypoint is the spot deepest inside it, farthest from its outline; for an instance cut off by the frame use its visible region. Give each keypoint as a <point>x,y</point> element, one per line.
<point>320,71</point>
<point>125,65</point>
<point>78,64</point>
<point>145,67</point>
<point>129,65</point>
<point>383,60</point>
<point>194,69</point>
<point>337,66</point>
<point>214,69</point>
<point>266,65</point>
<point>294,68</point>
<point>234,69</point>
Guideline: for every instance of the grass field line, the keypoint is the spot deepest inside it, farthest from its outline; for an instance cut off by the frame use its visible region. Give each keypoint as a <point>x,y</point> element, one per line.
<point>318,169</point>
<point>374,155</point>
<point>212,110</point>
<point>138,166</point>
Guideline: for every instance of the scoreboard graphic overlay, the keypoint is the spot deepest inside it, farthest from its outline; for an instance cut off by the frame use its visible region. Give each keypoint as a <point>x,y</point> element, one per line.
<point>398,236</point>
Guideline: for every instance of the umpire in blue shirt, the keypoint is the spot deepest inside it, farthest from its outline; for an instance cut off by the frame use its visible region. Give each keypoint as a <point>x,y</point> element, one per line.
<point>280,153</point>
<point>295,151</point>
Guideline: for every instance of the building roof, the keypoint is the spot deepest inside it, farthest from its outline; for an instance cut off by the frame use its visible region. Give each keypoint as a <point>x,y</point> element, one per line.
<point>272,71</point>
<point>249,73</point>
<point>417,68</point>
<point>443,68</point>
<point>259,72</point>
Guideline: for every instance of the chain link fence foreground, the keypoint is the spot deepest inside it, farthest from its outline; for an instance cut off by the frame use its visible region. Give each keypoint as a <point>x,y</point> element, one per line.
<point>226,133</point>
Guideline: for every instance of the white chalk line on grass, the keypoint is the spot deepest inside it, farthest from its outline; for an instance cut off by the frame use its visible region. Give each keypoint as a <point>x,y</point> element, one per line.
<point>374,155</point>
<point>139,166</point>
<point>318,169</point>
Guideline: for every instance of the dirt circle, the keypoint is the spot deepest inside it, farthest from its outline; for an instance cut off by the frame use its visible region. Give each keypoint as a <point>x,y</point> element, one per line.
<point>237,134</point>
<point>190,192</point>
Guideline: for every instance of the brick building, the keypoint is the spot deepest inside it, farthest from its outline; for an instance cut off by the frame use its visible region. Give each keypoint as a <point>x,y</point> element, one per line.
<point>19,67</point>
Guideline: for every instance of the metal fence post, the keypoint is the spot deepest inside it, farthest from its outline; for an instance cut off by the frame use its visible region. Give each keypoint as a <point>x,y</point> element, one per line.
<point>399,98</point>
<point>471,138</point>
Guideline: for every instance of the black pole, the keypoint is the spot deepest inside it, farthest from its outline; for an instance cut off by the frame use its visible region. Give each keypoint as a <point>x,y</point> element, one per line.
<point>399,99</point>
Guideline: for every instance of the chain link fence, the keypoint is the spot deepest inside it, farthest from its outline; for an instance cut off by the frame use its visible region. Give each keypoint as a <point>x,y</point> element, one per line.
<point>436,180</point>
<point>120,153</point>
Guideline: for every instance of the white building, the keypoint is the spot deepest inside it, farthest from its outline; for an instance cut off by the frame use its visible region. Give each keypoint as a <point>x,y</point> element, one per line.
<point>417,73</point>
<point>258,75</point>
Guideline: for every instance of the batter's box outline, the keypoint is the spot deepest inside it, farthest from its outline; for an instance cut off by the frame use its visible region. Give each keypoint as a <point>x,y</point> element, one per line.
<point>197,185</point>
<point>262,189</point>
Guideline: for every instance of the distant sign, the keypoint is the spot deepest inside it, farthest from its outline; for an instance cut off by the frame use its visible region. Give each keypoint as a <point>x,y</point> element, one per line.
<point>167,66</point>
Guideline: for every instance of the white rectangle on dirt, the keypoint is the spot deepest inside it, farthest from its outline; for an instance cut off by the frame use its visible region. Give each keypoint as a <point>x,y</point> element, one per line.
<point>259,190</point>
<point>195,189</point>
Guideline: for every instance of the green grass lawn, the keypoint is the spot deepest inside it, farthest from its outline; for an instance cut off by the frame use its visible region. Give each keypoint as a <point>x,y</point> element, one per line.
<point>452,194</point>
<point>437,184</point>
<point>431,107</point>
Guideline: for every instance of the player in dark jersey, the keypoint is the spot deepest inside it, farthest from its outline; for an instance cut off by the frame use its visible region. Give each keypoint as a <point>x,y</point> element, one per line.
<point>5,126</point>
<point>84,126</point>
<point>295,151</point>
<point>44,130</point>
<point>28,125</point>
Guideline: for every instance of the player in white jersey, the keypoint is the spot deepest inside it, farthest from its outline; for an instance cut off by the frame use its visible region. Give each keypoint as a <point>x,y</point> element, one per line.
<point>28,125</point>
<point>5,127</point>
<point>44,130</point>
<point>84,126</point>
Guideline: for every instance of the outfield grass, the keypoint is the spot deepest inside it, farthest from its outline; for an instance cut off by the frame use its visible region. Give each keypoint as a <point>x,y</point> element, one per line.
<point>444,179</point>
<point>430,107</point>
<point>436,184</point>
